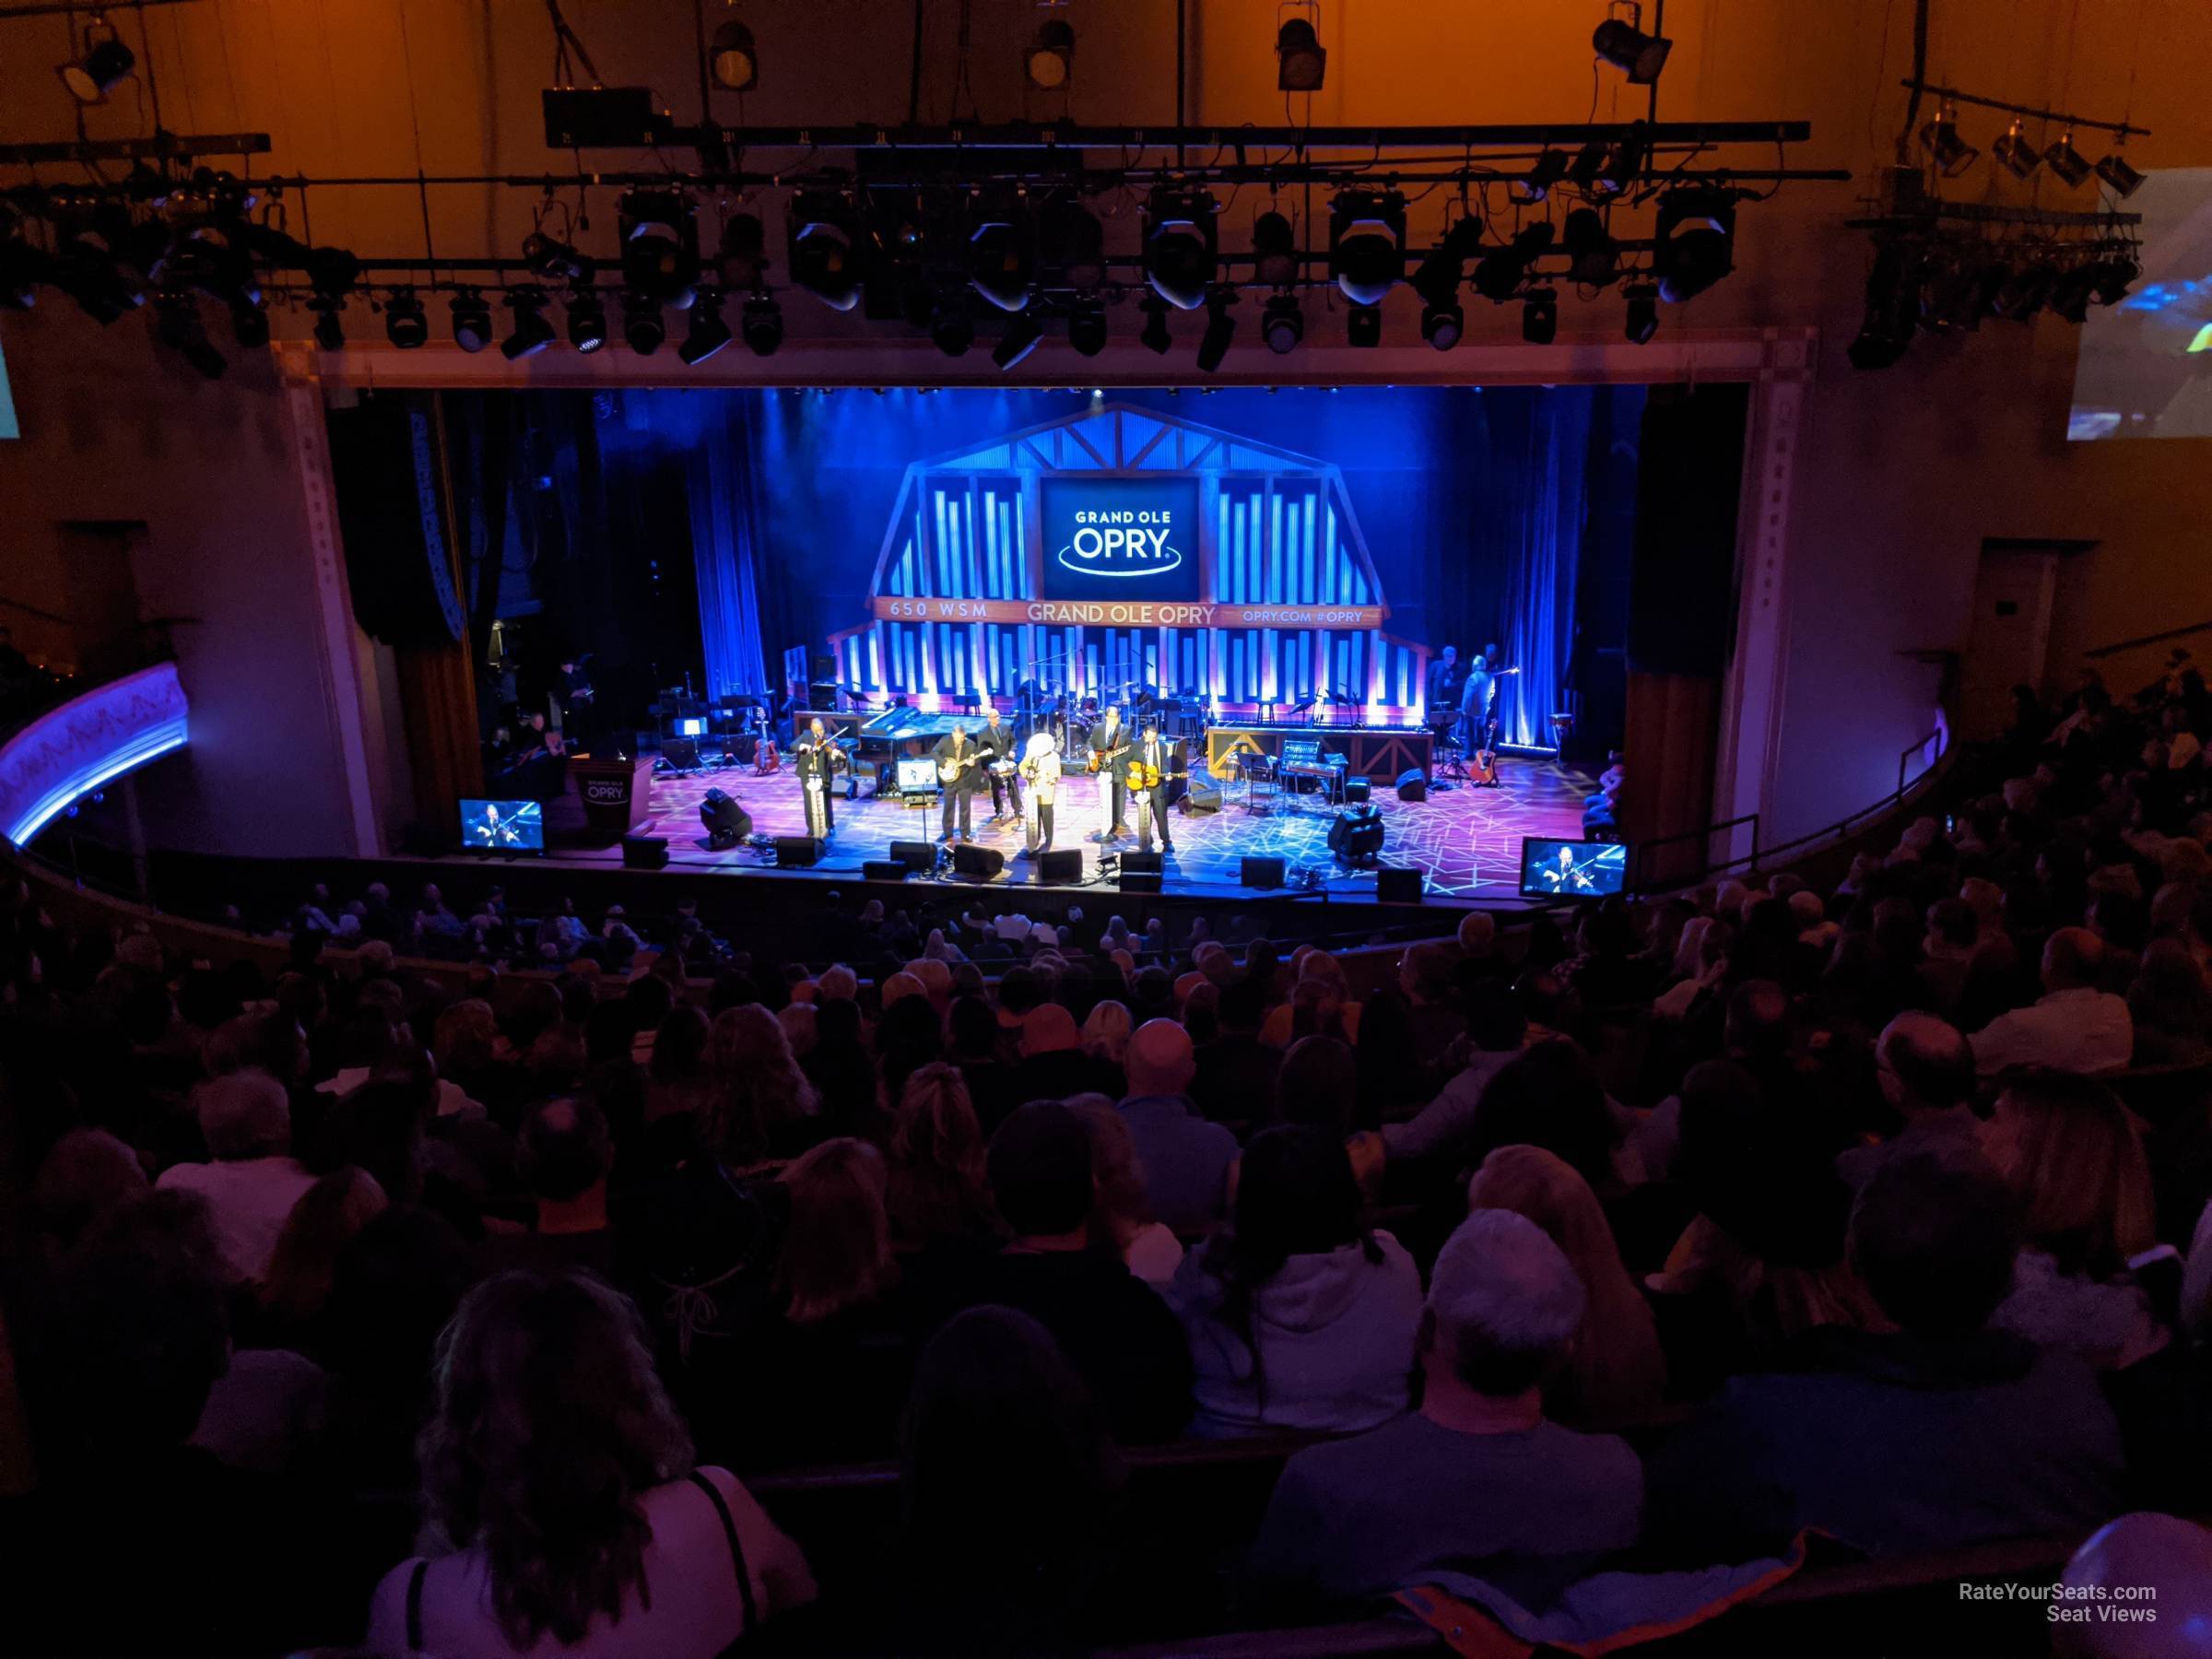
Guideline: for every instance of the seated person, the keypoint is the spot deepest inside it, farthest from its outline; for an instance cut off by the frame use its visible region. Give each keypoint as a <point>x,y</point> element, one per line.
<point>1940,1433</point>
<point>1475,1482</point>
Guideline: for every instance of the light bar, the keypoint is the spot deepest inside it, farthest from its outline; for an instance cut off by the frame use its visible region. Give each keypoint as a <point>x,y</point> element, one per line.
<point>89,741</point>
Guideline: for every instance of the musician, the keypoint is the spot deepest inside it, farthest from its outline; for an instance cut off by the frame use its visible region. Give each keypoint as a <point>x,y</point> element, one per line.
<point>1474,704</point>
<point>491,831</point>
<point>1040,765</point>
<point>1158,753</point>
<point>818,759</point>
<point>1446,680</point>
<point>573,702</point>
<point>1565,878</point>
<point>957,754</point>
<point>1001,751</point>
<point>1110,759</point>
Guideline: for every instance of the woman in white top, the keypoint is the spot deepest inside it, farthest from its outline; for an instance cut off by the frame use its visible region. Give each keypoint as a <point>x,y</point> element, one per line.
<point>558,1485</point>
<point>1040,765</point>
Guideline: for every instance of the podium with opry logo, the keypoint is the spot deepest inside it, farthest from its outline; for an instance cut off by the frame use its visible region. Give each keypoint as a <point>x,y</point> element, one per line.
<point>613,793</point>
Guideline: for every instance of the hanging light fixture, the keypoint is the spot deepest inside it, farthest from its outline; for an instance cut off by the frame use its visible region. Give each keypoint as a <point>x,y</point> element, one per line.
<point>2067,161</point>
<point>1951,154</point>
<point>2018,156</point>
<point>2119,178</point>
<point>106,64</point>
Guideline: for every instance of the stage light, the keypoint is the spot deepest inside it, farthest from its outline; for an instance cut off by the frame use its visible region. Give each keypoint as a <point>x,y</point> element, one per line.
<point>1302,62</point>
<point>23,266</point>
<point>1154,335</point>
<point>644,328</point>
<point>2116,273</point>
<point>1363,326</point>
<point>530,333</point>
<point>1441,326</point>
<point>1002,257</point>
<point>1273,251</point>
<point>1220,330</point>
<point>1625,160</point>
<point>1590,248</point>
<point>1282,325</point>
<point>1073,244</point>
<point>1087,327</point>
<point>1540,317</point>
<point>953,327</point>
<point>1020,338</point>
<point>1951,154</point>
<point>823,254</point>
<point>659,231</point>
<point>178,326</point>
<point>249,325</point>
<point>2072,291</point>
<point>743,263</point>
<point>1637,56</point>
<point>2014,151</point>
<point>1500,273</point>
<point>330,333</point>
<point>1050,62</point>
<point>107,63</point>
<point>405,324</point>
<point>705,333</point>
<point>2068,163</point>
<point>1181,250</point>
<point>1957,295</point>
<point>1642,318</point>
<point>762,325</point>
<point>587,322</point>
<point>1694,242</point>
<point>2026,291</point>
<point>1366,243</point>
<point>86,269</point>
<point>732,59</point>
<point>1535,184</point>
<point>551,259</point>
<point>2120,179</point>
<point>1893,289</point>
<point>472,321</point>
<point>1438,277</point>
<point>1589,162</point>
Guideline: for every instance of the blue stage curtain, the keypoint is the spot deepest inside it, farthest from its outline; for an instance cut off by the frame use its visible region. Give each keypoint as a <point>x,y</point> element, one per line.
<point>1540,586</point>
<point>723,472</point>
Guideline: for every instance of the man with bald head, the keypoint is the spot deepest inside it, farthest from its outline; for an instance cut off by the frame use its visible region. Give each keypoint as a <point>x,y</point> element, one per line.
<point>1186,1159</point>
<point>2072,1027</point>
<point>1925,1068</point>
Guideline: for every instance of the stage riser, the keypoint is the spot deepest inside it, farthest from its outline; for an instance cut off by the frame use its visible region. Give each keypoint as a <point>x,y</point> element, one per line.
<point>1378,757</point>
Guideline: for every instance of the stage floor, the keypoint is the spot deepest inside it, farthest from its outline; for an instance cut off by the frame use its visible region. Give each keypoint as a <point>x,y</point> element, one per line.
<point>1467,841</point>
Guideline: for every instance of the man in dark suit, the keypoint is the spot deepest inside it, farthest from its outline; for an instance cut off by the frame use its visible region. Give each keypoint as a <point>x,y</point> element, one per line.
<point>1109,748</point>
<point>997,738</point>
<point>1159,753</point>
<point>1446,680</point>
<point>957,750</point>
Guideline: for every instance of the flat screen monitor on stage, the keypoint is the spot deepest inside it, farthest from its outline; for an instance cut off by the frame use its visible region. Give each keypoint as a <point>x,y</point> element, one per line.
<point>1121,541</point>
<point>917,774</point>
<point>1573,869</point>
<point>503,826</point>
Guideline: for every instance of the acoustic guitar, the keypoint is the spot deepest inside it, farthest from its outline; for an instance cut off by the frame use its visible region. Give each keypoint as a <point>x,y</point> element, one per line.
<point>1101,758</point>
<point>1143,775</point>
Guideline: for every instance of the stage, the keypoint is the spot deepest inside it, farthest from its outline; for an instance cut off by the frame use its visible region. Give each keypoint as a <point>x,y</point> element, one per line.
<point>1466,841</point>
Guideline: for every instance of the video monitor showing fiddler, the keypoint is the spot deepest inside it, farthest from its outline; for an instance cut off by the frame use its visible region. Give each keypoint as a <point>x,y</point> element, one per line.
<point>503,826</point>
<point>1573,869</point>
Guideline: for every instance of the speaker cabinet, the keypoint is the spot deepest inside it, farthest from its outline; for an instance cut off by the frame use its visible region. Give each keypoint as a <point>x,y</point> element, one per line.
<point>1144,864</point>
<point>1400,886</point>
<point>681,753</point>
<point>798,850</point>
<point>1413,784</point>
<point>1261,872</point>
<point>1140,881</point>
<point>1357,833</point>
<point>921,857</point>
<point>883,869</point>
<point>1201,795</point>
<point>979,864</point>
<point>1356,790</point>
<point>1060,866</point>
<point>645,851</point>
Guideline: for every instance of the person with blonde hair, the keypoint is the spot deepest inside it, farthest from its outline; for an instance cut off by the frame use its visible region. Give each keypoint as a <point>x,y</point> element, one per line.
<point>936,1187</point>
<point>762,1109</point>
<point>328,1214</point>
<point>1122,1219</point>
<point>2069,1151</point>
<point>1320,1002</point>
<point>837,1245</point>
<point>1616,1371</point>
<point>1106,1031</point>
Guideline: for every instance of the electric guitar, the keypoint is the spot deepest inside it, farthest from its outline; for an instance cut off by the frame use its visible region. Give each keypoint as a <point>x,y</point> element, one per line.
<point>1101,758</point>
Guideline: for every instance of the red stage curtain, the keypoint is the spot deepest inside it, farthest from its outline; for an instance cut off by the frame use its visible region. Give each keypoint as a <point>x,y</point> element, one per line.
<point>1673,724</point>
<point>438,701</point>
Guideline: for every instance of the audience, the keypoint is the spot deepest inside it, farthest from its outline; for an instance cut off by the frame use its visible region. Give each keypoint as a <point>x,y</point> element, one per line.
<point>2074,1025</point>
<point>253,1181</point>
<point>1185,1161</point>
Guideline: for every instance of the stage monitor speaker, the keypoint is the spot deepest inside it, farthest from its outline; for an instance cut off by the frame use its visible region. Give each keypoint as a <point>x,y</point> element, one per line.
<point>883,869</point>
<point>1060,866</point>
<point>1357,833</point>
<point>1203,795</point>
<point>645,851</point>
<point>1261,872</point>
<point>921,857</point>
<point>1144,864</point>
<point>681,753</point>
<point>1400,886</point>
<point>798,850</point>
<point>1413,784</point>
<point>979,863</point>
<point>821,694</point>
<point>1356,790</point>
<point>724,820</point>
<point>1140,881</point>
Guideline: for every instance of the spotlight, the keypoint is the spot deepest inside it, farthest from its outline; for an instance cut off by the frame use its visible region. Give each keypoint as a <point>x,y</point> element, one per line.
<point>1590,248</point>
<point>1694,243</point>
<point>1637,56</point>
<point>1642,318</point>
<point>587,322</point>
<point>1087,327</point>
<point>106,64</point>
<point>1002,259</point>
<point>659,232</point>
<point>644,328</point>
<point>551,259</point>
<point>1366,243</point>
<point>530,333</point>
<point>1443,324</point>
<point>1050,62</point>
<point>2117,273</point>
<point>1301,60</point>
<point>2073,290</point>
<point>1282,325</point>
<point>1540,317</point>
<point>1273,251</point>
<point>1363,326</point>
<point>1535,184</point>
<point>2120,179</point>
<point>1181,250</point>
<point>731,58</point>
<point>2026,291</point>
<point>1893,307</point>
<point>743,258</point>
<point>2067,161</point>
<point>250,325</point>
<point>330,333</point>
<point>1020,338</point>
<point>762,325</point>
<point>1951,154</point>
<point>1589,162</point>
<point>23,266</point>
<point>1154,336</point>
<point>706,332</point>
<point>2014,151</point>
<point>1437,277</point>
<point>1220,329</point>
<point>1625,162</point>
<point>472,321</point>
<point>1958,295</point>
<point>178,326</point>
<point>823,254</point>
<point>405,324</point>
<point>1500,273</point>
<point>1073,245</point>
<point>88,268</point>
<point>953,327</point>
